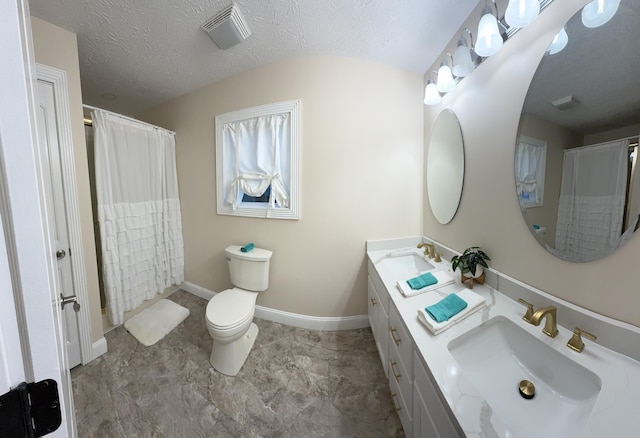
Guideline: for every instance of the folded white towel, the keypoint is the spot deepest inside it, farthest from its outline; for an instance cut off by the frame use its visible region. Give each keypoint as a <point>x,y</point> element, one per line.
<point>474,303</point>
<point>444,278</point>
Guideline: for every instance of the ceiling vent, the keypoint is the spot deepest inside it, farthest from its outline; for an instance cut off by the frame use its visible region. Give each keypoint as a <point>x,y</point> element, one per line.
<point>565,103</point>
<point>228,27</point>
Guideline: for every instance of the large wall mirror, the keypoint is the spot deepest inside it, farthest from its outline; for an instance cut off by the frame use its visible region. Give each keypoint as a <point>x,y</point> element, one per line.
<point>445,166</point>
<point>577,148</point>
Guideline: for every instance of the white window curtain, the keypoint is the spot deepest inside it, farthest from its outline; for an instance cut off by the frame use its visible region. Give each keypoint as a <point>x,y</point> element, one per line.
<point>138,211</point>
<point>592,198</point>
<point>530,162</point>
<point>255,159</point>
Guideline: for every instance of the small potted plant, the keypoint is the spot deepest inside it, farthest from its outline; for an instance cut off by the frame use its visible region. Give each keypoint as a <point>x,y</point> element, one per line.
<point>471,263</point>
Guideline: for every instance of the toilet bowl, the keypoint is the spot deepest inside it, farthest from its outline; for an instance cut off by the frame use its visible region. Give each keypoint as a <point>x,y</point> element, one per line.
<point>229,314</point>
<point>229,318</point>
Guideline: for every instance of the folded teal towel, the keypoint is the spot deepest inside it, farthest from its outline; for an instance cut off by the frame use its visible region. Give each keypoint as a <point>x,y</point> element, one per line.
<point>447,307</point>
<point>248,247</point>
<point>421,281</point>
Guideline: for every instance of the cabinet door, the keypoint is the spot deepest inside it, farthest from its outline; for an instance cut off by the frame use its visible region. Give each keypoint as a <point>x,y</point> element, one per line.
<point>422,424</point>
<point>438,414</point>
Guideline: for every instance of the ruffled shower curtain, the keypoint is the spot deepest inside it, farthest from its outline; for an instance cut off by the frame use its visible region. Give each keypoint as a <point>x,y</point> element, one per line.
<point>138,211</point>
<point>592,199</point>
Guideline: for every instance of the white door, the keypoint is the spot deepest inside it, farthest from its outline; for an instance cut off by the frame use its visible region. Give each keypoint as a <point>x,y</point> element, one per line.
<point>29,299</point>
<point>11,364</point>
<point>52,175</point>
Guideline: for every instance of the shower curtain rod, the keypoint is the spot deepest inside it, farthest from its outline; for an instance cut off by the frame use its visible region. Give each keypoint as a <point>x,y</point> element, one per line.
<point>631,145</point>
<point>88,121</point>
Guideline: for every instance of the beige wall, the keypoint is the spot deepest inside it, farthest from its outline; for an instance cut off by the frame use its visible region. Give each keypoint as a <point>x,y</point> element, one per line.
<point>361,176</point>
<point>488,104</point>
<point>58,48</point>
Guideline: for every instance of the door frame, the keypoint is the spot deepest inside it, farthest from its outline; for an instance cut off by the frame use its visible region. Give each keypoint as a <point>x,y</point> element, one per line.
<point>58,79</point>
<point>31,260</point>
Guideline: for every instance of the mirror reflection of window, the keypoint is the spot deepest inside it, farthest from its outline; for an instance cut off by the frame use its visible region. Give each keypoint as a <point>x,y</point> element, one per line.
<point>531,157</point>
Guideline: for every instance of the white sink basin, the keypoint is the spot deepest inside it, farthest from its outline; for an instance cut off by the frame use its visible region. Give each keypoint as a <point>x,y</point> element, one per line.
<point>402,266</point>
<point>498,354</point>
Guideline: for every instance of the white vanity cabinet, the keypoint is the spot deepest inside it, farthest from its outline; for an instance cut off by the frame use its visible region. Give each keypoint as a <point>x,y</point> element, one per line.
<point>414,396</point>
<point>378,315</point>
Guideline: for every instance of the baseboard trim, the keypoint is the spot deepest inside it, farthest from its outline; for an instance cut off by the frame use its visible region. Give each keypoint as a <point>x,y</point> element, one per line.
<point>196,290</point>
<point>99,348</point>
<point>291,319</point>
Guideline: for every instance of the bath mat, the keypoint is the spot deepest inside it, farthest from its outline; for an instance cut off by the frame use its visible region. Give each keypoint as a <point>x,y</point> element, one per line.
<point>154,323</point>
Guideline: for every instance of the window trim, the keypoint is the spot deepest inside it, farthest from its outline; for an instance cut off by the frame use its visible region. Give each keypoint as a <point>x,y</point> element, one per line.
<point>254,209</point>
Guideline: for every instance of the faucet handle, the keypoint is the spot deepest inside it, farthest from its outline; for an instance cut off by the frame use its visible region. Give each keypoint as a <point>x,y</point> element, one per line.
<point>575,343</point>
<point>527,316</point>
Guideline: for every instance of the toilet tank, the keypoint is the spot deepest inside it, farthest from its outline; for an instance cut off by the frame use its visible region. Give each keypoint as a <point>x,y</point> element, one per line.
<point>249,270</point>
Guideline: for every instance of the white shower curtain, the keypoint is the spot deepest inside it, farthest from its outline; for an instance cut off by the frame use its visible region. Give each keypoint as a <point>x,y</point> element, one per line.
<point>592,198</point>
<point>138,211</point>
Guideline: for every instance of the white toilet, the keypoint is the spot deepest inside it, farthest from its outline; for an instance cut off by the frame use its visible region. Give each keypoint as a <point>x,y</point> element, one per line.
<point>229,314</point>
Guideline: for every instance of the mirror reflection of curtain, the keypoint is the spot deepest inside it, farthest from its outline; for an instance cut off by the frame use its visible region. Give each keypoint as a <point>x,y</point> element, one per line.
<point>530,160</point>
<point>592,200</point>
<point>138,210</point>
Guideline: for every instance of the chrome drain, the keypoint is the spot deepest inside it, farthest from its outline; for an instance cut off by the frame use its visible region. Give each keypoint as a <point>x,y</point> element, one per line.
<point>527,389</point>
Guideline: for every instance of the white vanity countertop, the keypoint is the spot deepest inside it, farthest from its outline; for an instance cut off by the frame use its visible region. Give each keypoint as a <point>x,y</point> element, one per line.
<point>615,411</point>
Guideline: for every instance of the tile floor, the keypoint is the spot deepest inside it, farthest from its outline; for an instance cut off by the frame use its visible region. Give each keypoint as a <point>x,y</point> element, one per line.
<point>295,383</point>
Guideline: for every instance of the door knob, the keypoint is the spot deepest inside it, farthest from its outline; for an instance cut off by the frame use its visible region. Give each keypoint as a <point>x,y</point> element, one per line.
<point>70,299</point>
<point>60,254</point>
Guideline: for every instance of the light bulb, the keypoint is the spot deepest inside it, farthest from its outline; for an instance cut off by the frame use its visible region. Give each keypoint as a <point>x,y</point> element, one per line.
<point>521,13</point>
<point>462,63</point>
<point>445,81</point>
<point>598,12</point>
<point>559,42</point>
<point>489,39</point>
<point>431,95</point>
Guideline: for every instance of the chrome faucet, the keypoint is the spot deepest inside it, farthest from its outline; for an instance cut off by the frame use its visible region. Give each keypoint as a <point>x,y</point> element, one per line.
<point>550,327</point>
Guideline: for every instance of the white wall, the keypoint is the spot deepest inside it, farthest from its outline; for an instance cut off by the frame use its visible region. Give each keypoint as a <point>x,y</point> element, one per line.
<point>488,104</point>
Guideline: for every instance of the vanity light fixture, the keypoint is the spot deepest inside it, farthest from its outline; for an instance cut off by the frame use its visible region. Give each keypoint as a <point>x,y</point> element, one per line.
<point>431,94</point>
<point>489,40</point>
<point>445,81</point>
<point>521,13</point>
<point>462,60</point>
<point>598,12</point>
<point>493,31</point>
<point>559,42</point>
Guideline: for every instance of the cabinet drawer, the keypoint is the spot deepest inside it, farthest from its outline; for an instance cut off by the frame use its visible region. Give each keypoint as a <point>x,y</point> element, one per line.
<point>400,406</point>
<point>379,325</point>
<point>379,287</point>
<point>403,378</point>
<point>399,336</point>
<point>438,409</point>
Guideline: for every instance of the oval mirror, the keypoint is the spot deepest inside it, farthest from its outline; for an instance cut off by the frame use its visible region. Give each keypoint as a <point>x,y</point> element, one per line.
<point>445,166</point>
<point>576,152</point>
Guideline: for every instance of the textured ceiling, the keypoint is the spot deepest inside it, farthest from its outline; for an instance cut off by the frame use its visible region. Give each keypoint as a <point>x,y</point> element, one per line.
<point>599,68</point>
<point>148,51</point>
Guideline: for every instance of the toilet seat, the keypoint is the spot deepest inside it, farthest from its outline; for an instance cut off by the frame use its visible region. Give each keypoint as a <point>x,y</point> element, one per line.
<point>230,309</point>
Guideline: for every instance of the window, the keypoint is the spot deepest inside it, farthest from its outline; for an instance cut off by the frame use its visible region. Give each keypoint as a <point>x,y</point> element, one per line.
<point>257,161</point>
<point>531,157</point>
